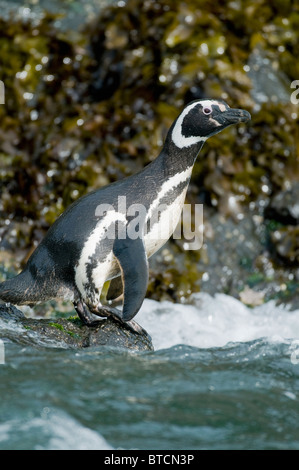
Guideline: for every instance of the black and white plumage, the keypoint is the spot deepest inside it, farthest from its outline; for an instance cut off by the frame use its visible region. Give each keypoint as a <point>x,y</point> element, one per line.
<point>77,256</point>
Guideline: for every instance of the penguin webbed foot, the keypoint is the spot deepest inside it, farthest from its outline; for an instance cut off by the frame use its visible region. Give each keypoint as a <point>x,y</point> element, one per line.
<point>131,325</point>
<point>134,326</point>
<point>86,315</point>
<point>115,314</point>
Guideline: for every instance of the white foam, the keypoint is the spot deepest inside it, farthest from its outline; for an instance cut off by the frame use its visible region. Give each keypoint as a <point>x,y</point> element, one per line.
<point>67,434</point>
<point>57,431</point>
<point>215,321</point>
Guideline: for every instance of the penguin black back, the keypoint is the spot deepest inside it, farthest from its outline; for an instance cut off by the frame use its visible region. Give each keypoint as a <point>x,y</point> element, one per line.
<point>109,234</point>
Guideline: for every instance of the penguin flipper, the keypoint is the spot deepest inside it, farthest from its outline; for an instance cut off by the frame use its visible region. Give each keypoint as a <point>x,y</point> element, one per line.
<point>131,256</point>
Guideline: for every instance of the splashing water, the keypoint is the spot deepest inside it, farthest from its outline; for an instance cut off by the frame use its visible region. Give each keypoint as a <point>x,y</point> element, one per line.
<point>222,376</point>
<point>216,321</point>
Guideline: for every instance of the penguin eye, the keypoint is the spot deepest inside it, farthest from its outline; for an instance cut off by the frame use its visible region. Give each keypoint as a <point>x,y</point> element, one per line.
<point>207,110</point>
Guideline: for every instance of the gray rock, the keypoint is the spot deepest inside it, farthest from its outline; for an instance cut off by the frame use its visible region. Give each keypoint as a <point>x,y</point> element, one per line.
<point>284,206</point>
<point>268,83</point>
<point>69,332</point>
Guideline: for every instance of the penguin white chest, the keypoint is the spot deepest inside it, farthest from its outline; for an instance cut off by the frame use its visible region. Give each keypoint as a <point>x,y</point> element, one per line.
<point>165,211</point>
<point>162,224</point>
<point>97,262</point>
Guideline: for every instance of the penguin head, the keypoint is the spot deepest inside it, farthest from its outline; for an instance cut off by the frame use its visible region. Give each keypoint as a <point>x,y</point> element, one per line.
<point>201,119</point>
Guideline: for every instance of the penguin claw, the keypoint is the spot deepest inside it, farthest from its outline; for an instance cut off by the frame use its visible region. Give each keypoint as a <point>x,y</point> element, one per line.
<point>84,314</point>
<point>130,325</point>
<point>134,326</point>
<point>115,315</point>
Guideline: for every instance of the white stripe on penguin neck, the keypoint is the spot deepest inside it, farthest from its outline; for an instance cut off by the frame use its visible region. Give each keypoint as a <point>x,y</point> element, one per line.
<point>177,136</point>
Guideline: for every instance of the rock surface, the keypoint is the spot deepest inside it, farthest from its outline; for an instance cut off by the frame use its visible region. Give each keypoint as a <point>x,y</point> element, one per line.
<point>69,332</point>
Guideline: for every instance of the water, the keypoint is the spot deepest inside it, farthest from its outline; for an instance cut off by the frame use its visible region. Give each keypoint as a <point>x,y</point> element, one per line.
<point>222,376</point>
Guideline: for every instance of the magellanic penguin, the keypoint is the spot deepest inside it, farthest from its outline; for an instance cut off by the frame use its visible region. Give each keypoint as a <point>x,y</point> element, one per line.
<point>93,240</point>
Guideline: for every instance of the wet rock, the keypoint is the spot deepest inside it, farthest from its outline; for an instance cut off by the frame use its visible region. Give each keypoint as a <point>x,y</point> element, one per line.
<point>283,224</point>
<point>268,83</point>
<point>9,312</point>
<point>284,206</point>
<point>69,332</point>
<point>286,244</point>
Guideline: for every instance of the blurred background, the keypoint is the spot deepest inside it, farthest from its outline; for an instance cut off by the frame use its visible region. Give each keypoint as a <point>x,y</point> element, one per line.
<point>91,88</point>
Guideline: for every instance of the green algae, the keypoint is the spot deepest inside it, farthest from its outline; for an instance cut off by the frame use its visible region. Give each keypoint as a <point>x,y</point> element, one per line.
<point>60,327</point>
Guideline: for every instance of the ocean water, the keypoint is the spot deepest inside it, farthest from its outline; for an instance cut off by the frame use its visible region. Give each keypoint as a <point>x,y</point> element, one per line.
<point>222,376</point>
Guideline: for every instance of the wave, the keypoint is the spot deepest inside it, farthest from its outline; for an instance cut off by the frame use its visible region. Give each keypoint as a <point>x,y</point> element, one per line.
<point>56,430</point>
<point>215,321</point>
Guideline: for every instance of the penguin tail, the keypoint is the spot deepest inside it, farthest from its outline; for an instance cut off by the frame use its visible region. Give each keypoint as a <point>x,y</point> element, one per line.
<point>19,290</point>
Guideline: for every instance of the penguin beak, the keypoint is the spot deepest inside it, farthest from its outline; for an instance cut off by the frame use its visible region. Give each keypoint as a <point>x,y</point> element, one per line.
<point>233,116</point>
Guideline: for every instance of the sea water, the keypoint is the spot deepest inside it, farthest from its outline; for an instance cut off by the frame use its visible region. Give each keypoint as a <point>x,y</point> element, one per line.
<point>222,376</point>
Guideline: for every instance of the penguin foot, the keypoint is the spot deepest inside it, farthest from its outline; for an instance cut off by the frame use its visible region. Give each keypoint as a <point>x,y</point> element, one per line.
<point>115,314</point>
<point>88,316</point>
<point>134,326</point>
<point>131,325</point>
<point>84,314</point>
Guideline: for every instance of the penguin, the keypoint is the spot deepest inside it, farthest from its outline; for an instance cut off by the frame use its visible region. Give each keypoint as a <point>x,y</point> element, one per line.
<point>109,234</point>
